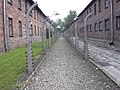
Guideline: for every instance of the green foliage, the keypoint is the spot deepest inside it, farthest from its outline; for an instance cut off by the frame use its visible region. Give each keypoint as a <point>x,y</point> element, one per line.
<point>69,19</point>
<point>65,23</point>
<point>59,22</point>
<point>13,65</point>
<point>36,49</point>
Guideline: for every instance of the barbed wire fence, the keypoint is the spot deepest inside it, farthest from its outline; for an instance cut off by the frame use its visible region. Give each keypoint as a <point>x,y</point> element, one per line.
<point>14,65</point>
<point>77,43</point>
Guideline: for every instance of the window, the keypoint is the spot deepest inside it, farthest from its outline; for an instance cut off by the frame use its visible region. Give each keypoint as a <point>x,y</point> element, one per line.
<point>107,25</point>
<point>100,3</point>
<point>87,28</point>
<point>38,31</point>
<point>117,0</point>
<point>40,17</point>
<point>106,3</point>
<point>41,31</point>
<point>20,28</point>
<point>19,4</point>
<point>91,28</point>
<point>35,31</point>
<point>87,12</point>
<point>90,12</point>
<point>25,6</point>
<point>95,27</point>
<point>10,1</point>
<point>94,9</point>
<point>31,32</point>
<point>51,34</point>
<point>10,23</point>
<point>100,26</point>
<point>37,15</point>
<point>84,14</point>
<point>82,30</point>
<point>118,22</point>
<point>34,14</point>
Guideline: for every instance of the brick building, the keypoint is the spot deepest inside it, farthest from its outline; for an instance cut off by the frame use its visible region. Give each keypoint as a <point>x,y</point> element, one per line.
<point>12,23</point>
<point>104,24</point>
<point>1,26</point>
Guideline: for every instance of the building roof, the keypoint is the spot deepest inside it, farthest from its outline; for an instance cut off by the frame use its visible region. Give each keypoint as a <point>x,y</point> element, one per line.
<point>32,2</point>
<point>83,11</point>
<point>87,7</point>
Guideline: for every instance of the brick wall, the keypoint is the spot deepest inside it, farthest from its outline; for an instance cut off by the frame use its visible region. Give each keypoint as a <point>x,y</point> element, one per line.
<point>12,11</point>
<point>16,14</point>
<point>116,13</point>
<point>100,16</point>
<point>1,27</point>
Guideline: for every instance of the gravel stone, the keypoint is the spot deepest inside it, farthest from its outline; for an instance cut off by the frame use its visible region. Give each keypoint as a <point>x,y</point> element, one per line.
<point>65,69</point>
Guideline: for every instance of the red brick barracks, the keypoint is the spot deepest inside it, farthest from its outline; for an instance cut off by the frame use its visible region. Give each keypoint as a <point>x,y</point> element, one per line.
<point>12,23</point>
<point>104,24</point>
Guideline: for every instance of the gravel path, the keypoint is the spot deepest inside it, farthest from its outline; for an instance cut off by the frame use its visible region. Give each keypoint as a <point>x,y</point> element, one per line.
<point>64,69</point>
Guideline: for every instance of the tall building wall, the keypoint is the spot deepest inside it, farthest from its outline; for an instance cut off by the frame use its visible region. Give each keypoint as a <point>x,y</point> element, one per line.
<point>16,23</point>
<point>1,26</point>
<point>99,24</point>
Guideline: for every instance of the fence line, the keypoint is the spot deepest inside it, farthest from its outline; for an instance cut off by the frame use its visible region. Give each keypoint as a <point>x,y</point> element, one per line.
<point>13,63</point>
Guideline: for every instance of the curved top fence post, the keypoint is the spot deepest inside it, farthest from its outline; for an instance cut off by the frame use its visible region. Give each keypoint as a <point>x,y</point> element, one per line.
<point>29,51</point>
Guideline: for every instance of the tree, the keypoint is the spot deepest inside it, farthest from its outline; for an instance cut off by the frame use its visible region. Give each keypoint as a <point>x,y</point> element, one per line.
<point>58,22</point>
<point>69,19</point>
<point>66,21</point>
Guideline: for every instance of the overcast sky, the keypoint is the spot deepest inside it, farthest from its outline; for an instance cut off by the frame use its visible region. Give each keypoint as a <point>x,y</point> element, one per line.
<point>61,6</point>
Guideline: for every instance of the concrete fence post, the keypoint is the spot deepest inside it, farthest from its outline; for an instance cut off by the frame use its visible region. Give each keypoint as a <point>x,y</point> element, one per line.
<point>86,51</point>
<point>29,51</point>
<point>44,41</point>
<point>49,36</point>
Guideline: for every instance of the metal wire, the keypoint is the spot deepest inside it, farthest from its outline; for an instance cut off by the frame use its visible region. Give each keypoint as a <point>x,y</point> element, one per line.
<point>9,61</point>
<point>13,64</point>
<point>9,76</point>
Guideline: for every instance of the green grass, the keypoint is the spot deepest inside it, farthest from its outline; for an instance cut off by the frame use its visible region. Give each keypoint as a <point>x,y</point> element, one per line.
<point>36,49</point>
<point>13,65</point>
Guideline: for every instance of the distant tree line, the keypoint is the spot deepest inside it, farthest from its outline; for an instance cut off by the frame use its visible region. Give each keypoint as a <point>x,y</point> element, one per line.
<point>65,23</point>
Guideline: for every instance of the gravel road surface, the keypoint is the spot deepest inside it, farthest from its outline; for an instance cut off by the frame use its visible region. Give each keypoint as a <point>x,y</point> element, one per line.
<point>64,69</point>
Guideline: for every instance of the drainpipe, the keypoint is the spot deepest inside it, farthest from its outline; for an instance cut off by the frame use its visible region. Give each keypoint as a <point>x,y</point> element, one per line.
<point>4,25</point>
<point>112,23</point>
